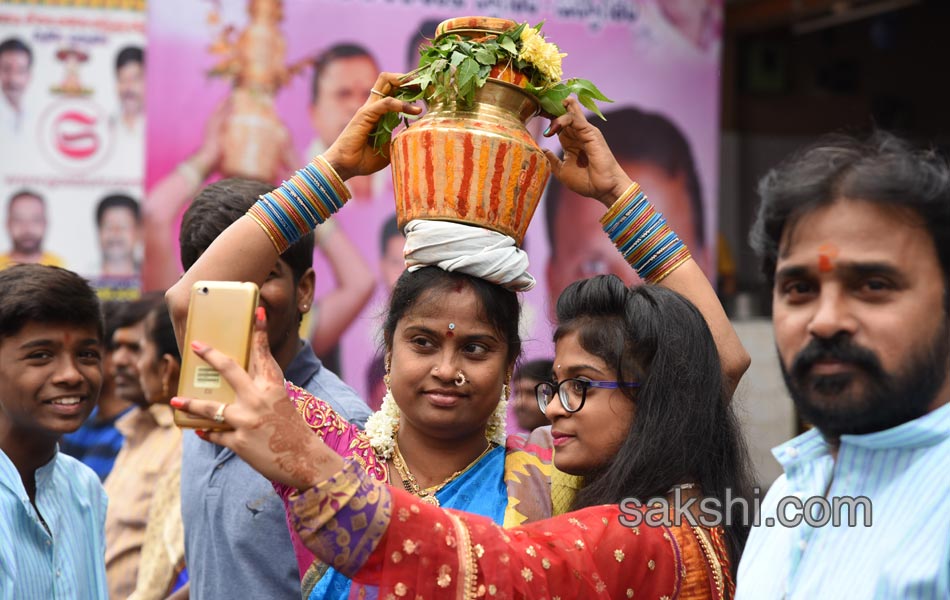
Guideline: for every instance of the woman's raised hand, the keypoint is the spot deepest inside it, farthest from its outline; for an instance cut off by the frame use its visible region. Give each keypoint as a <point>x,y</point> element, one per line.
<point>267,433</point>
<point>352,153</point>
<point>588,167</point>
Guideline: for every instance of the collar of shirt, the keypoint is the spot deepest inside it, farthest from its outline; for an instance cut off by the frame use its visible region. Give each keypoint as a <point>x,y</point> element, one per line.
<point>145,419</point>
<point>304,367</point>
<point>10,476</point>
<point>930,429</point>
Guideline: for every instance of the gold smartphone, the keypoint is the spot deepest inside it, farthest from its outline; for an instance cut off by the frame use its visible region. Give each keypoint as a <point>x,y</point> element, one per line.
<point>221,315</point>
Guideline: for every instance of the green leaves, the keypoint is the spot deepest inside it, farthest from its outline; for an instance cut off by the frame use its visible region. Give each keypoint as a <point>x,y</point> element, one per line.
<point>486,56</point>
<point>453,68</point>
<point>465,76</point>
<point>508,45</point>
<point>587,93</point>
<point>552,99</point>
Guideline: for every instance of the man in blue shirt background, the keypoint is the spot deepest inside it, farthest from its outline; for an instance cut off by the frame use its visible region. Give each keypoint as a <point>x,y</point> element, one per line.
<point>855,237</point>
<point>237,544</point>
<point>52,507</point>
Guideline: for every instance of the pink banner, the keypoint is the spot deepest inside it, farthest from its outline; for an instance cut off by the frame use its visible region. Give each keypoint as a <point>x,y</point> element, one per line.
<point>659,62</point>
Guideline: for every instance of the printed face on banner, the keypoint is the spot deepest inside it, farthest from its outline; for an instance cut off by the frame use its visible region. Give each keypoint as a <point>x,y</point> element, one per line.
<point>14,75</point>
<point>26,224</point>
<point>118,234</point>
<point>130,81</point>
<point>342,89</point>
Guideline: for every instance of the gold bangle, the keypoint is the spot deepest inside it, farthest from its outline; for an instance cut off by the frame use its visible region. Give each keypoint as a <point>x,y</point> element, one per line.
<point>675,264</point>
<point>620,203</point>
<point>266,229</point>
<point>342,186</point>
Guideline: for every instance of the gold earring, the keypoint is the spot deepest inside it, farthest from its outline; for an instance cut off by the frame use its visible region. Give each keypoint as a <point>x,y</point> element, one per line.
<point>386,377</point>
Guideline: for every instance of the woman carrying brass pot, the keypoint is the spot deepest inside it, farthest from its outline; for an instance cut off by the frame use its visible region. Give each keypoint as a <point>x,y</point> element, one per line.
<point>452,341</point>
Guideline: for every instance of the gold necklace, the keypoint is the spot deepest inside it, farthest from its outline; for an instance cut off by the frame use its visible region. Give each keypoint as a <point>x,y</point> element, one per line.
<point>412,486</point>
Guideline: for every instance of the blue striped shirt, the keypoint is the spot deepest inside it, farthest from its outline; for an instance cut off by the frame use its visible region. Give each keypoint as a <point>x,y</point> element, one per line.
<point>904,553</point>
<point>70,563</point>
<point>96,443</point>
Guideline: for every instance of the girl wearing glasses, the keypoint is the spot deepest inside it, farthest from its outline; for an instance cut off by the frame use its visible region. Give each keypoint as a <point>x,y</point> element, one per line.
<point>451,341</point>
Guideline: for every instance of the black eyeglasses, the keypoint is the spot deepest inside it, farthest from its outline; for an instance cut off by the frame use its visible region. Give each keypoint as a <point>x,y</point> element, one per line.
<point>573,392</point>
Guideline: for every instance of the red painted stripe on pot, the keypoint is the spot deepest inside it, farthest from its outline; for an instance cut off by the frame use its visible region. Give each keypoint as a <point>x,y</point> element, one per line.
<point>484,163</point>
<point>468,168</point>
<point>406,175</point>
<point>526,181</point>
<point>496,192</point>
<point>428,166</point>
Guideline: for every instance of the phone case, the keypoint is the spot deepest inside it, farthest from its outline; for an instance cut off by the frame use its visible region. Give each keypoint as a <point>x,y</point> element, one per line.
<point>221,315</point>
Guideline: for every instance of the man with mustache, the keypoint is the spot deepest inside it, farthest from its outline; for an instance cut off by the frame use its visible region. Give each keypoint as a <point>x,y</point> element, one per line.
<point>26,226</point>
<point>118,224</point>
<point>130,84</point>
<point>152,445</point>
<point>855,238</point>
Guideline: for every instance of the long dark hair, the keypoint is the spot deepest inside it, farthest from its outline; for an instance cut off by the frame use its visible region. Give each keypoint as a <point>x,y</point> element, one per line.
<point>683,429</point>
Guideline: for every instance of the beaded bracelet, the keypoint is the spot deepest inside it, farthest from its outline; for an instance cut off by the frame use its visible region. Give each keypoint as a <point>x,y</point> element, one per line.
<point>643,237</point>
<point>306,200</point>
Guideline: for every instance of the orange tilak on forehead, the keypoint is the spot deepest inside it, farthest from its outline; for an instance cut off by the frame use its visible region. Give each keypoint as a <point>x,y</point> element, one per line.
<point>826,255</point>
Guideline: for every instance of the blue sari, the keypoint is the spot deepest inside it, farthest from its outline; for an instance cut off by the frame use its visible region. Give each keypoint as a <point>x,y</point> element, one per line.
<point>480,490</point>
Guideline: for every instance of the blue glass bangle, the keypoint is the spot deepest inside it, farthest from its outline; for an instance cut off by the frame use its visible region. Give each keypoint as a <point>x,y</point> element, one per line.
<point>661,257</point>
<point>661,243</point>
<point>649,228</point>
<point>303,207</point>
<point>317,189</point>
<point>658,259</point>
<point>624,219</point>
<point>273,209</point>
<point>283,203</point>
<point>325,186</point>
<point>650,240</point>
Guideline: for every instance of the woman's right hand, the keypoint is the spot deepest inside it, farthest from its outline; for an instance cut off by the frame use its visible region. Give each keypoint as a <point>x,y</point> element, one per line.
<point>267,431</point>
<point>352,154</point>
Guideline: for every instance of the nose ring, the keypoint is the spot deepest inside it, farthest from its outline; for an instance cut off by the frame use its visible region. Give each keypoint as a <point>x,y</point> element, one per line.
<point>460,379</point>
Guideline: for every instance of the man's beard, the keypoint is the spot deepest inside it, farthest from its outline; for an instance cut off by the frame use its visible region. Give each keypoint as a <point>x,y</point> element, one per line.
<point>866,398</point>
<point>28,245</point>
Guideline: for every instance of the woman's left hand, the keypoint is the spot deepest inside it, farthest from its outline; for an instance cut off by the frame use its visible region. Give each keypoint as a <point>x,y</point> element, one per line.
<point>588,167</point>
<point>268,433</point>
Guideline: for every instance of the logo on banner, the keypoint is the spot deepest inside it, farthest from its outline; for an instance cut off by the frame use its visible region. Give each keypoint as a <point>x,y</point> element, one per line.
<point>74,134</point>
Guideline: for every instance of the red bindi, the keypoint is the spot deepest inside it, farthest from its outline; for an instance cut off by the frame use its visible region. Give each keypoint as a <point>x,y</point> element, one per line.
<point>826,254</point>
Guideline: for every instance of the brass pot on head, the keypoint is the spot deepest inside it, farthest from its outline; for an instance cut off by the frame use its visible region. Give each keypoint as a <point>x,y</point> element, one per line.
<point>475,164</point>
